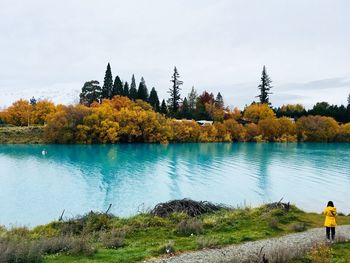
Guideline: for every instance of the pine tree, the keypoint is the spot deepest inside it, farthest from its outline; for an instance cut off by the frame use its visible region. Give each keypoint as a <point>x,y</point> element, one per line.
<point>117,87</point>
<point>154,100</point>
<point>33,101</point>
<point>174,100</point>
<point>90,92</point>
<point>126,91</point>
<point>349,100</point>
<point>107,84</point>
<point>164,108</point>
<point>142,92</point>
<point>265,87</point>
<point>185,109</point>
<point>192,99</point>
<point>133,90</point>
<point>219,101</point>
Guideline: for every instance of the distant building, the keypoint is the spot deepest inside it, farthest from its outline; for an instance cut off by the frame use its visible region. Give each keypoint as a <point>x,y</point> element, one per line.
<point>204,122</point>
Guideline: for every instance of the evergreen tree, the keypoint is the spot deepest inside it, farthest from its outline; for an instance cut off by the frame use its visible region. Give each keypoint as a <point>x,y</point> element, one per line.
<point>185,109</point>
<point>164,108</point>
<point>174,100</point>
<point>126,90</point>
<point>265,87</point>
<point>192,99</point>
<point>90,92</point>
<point>349,100</point>
<point>154,100</point>
<point>219,101</point>
<point>107,84</point>
<point>117,87</point>
<point>33,101</point>
<point>133,90</point>
<point>142,92</point>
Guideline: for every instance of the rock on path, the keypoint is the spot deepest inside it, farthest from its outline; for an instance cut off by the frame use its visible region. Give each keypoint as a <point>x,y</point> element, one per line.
<point>277,249</point>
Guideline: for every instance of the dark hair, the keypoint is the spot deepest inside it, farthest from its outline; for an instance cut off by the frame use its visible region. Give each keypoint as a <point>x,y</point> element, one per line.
<point>330,203</point>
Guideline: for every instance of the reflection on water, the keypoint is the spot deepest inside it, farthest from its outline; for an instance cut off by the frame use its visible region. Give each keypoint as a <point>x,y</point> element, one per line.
<point>35,188</point>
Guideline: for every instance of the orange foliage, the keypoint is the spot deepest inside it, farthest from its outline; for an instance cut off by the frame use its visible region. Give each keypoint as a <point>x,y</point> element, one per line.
<point>19,113</point>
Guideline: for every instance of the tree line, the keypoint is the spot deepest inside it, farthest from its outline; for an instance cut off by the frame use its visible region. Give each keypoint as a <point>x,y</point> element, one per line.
<point>193,106</point>
<point>117,112</point>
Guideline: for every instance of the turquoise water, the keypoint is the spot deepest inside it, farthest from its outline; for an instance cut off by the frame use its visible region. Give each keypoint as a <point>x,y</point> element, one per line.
<point>35,188</point>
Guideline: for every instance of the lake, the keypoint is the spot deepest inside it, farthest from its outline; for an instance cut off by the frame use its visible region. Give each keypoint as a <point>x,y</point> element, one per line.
<point>35,188</point>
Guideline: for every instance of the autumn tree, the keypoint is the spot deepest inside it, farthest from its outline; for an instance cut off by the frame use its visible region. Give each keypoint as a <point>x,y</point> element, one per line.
<point>256,112</point>
<point>154,100</point>
<point>142,92</point>
<point>133,90</point>
<point>41,110</point>
<point>264,88</point>
<point>107,84</point>
<point>62,125</point>
<point>19,113</point>
<point>164,108</point>
<point>90,92</point>
<point>201,110</point>
<point>117,87</point>
<point>317,129</point>
<point>174,91</point>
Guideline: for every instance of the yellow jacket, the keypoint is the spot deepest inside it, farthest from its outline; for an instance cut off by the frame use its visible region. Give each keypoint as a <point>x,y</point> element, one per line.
<point>330,213</point>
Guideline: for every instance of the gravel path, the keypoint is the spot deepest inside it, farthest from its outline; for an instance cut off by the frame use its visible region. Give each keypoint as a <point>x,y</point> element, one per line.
<point>275,249</point>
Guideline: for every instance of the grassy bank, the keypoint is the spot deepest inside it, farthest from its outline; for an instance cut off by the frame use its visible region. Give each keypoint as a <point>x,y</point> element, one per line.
<point>22,135</point>
<point>337,253</point>
<point>105,238</point>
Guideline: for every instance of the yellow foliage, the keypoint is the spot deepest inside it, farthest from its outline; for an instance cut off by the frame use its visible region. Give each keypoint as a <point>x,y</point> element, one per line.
<point>317,128</point>
<point>41,110</point>
<point>185,131</point>
<point>236,130</point>
<point>292,108</point>
<point>257,112</point>
<point>344,133</point>
<point>252,130</point>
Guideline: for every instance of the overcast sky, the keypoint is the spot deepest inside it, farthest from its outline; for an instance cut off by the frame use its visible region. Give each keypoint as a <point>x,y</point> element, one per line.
<point>50,48</point>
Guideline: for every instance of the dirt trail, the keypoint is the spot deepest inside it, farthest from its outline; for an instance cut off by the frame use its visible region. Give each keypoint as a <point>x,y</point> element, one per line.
<point>275,249</point>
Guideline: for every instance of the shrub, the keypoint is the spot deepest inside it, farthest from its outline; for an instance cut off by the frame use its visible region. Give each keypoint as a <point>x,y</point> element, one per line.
<point>113,239</point>
<point>321,254</point>
<point>167,248</point>
<point>56,244</point>
<point>189,226</point>
<point>317,129</point>
<point>81,246</point>
<point>209,242</point>
<point>273,223</point>
<point>298,227</point>
<point>19,251</point>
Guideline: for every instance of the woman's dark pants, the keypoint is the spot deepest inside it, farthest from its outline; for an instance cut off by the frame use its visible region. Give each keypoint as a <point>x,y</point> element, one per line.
<point>330,231</point>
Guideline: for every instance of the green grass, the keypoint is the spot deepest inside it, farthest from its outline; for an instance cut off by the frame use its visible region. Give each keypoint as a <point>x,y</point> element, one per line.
<point>145,235</point>
<point>22,135</point>
<point>338,253</point>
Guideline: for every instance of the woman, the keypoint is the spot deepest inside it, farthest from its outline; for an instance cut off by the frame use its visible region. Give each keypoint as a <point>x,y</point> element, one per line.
<point>330,224</point>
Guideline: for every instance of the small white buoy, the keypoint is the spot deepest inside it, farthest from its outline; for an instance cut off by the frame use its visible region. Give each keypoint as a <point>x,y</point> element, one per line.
<point>43,152</point>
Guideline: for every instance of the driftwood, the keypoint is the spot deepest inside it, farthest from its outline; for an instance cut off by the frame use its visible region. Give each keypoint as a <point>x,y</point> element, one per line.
<point>280,205</point>
<point>109,208</point>
<point>61,216</point>
<point>188,206</point>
